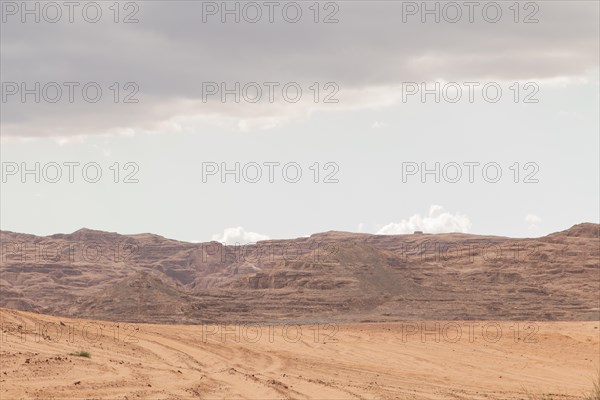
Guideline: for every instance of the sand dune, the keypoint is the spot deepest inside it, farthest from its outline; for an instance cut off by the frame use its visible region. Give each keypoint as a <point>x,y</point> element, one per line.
<point>349,361</point>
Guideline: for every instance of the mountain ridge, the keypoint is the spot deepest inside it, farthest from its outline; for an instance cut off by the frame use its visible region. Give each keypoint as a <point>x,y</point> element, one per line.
<point>332,276</point>
<point>589,228</point>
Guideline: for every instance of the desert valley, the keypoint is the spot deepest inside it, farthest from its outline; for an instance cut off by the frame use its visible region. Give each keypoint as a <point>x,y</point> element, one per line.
<point>335,315</point>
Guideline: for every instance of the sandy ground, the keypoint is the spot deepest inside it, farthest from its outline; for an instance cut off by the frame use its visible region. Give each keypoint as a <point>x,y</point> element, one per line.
<point>450,360</point>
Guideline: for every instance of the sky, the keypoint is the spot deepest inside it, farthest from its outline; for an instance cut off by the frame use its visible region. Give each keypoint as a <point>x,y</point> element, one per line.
<point>243,121</point>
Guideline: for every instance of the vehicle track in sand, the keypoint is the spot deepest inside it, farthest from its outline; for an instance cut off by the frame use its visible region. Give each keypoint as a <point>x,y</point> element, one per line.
<point>368,361</point>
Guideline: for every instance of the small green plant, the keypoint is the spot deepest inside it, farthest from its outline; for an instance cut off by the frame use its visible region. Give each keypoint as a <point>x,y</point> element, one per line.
<point>85,354</point>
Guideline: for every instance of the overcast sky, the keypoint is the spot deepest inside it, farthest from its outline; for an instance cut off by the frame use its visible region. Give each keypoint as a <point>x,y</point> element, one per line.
<point>499,102</point>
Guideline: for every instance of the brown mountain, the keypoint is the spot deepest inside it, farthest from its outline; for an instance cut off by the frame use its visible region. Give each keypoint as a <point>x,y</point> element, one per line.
<point>332,276</point>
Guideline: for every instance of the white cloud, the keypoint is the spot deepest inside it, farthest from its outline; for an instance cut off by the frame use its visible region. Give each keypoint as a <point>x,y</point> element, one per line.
<point>238,235</point>
<point>532,221</point>
<point>378,125</point>
<point>436,221</point>
<point>106,152</point>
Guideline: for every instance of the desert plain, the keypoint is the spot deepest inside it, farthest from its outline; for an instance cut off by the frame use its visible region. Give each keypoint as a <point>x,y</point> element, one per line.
<point>398,360</point>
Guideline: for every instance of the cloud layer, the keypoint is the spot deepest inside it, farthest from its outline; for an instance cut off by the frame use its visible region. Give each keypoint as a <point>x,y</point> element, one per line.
<point>170,53</point>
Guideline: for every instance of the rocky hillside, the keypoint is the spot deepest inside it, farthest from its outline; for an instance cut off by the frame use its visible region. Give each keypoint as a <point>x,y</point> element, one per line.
<point>332,276</point>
